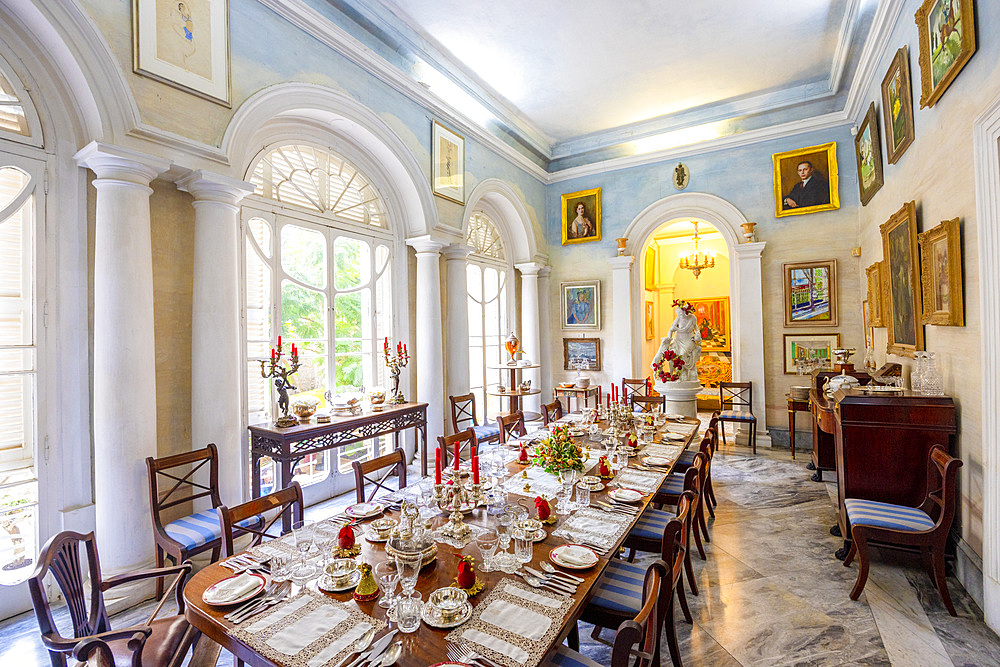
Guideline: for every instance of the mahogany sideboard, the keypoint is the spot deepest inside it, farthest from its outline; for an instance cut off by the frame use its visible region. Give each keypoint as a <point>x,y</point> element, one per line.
<point>823,457</point>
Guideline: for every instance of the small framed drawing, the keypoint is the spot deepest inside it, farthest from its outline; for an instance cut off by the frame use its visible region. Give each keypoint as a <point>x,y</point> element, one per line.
<point>447,163</point>
<point>581,305</point>
<point>810,346</point>
<point>805,180</point>
<point>941,275</point>
<point>868,151</point>
<point>810,293</point>
<point>650,324</point>
<point>587,350</point>
<point>876,317</point>
<point>947,38</point>
<point>183,44</point>
<point>897,107</point>
<point>901,300</point>
<point>581,216</point>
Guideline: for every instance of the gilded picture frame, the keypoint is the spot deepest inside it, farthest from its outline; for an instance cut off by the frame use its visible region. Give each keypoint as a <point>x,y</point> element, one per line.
<point>184,45</point>
<point>897,107</point>
<point>447,163</point>
<point>947,39</point>
<point>797,192</point>
<point>581,304</point>
<point>868,155</point>
<point>902,299</point>
<point>581,216</point>
<point>588,349</point>
<point>810,293</point>
<point>866,325</point>
<point>875,304</point>
<point>650,321</point>
<point>713,323</point>
<point>941,275</point>
<point>811,345</point>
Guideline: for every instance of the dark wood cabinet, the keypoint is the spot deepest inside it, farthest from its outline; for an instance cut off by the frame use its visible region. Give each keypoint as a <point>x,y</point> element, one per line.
<point>823,422</point>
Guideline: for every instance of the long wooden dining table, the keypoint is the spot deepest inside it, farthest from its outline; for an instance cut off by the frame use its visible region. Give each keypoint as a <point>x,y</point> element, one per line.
<point>427,645</point>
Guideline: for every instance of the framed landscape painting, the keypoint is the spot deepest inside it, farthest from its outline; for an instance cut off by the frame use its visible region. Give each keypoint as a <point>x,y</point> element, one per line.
<point>902,274</point>
<point>805,180</point>
<point>810,293</point>
<point>875,308</point>
<point>586,350</point>
<point>581,305</point>
<point>712,316</point>
<point>447,163</point>
<point>810,346</point>
<point>868,151</point>
<point>897,107</point>
<point>183,44</point>
<point>581,216</point>
<point>947,37</point>
<point>941,275</point>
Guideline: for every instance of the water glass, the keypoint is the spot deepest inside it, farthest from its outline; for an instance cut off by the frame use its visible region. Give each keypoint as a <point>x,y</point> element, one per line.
<point>303,537</point>
<point>582,495</point>
<point>408,613</point>
<point>487,544</point>
<point>281,568</point>
<point>387,576</point>
<point>504,522</point>
<point>621,458</point>
<point>523,544</point>
<point>409,570</point>
<point>595,432</point>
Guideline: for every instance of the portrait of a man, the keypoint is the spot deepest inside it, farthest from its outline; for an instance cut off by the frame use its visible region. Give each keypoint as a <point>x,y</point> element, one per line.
<point>805,180</point>
<point>581,216</point>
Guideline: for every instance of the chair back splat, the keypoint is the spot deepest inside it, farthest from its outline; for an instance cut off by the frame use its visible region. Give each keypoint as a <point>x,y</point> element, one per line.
<point>284,500</point>
<point>551,412</point>
<point>465,439</point>
<point>511,425</point>
<point>648,403</point>
<point>393,461</point>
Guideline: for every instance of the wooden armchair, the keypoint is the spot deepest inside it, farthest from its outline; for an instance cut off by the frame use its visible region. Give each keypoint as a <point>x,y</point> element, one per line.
<point>925,526</point>
<point>736,401</point>
<point>648,403</point>
<point>285,500</point>
<point>552,412</point>
<point>160,642</point>
<point>463,416</point>
<point>466,438</point>
<point>394,460</point>
<point>512,424</point>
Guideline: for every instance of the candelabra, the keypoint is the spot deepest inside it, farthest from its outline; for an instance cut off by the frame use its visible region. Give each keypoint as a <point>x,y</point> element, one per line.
<point>457,496</point>
<point>395,362</point>
<point>621,418</point>
<point>279,372</point>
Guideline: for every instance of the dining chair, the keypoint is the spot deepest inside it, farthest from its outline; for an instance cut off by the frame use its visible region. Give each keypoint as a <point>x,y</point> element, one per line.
<point>394,461</point>
<point>284,500</point>
<point>159,642</point>
<point>466,438</point>
<point>512,424</point>
<point>551,412</point>
<point>647,403</point>
<point>676,483</point>
<point>463,416</point>
<point>188,478</point>
<point>738,396</point>
<point>634,387</point>
<point>709,445</point>
<point>925,526</point>
<point>638,635</point>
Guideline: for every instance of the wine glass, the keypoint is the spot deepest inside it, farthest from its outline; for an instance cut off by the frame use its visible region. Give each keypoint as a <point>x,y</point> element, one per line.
<point>387,576</point>
<point>303,537</point>
<point>487,544</point>
<point>504,523</point>
<point>409,570</point>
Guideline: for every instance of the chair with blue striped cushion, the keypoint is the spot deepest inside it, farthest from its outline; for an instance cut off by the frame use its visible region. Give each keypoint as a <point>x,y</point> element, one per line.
<point>200,528</point>
<point>487,433</point>
<point>926,526</point>
<point>738,396</point>
<point>709,444</point>
<point>638,622</point>
<point>464,415</point>
<point>651,524</point>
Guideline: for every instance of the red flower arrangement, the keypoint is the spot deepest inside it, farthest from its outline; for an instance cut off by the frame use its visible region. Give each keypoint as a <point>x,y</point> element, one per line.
<point>683,305</point>
<point>669,367</point>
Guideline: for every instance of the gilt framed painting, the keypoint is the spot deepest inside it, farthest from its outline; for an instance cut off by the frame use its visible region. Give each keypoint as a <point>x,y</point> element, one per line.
<point>810,347</point>
<point>810,295</point>
<point>901,294</point>
<point>581,216</point>
<point>712,316</point>
<point>868,151</point>
<point>447,163</point>
<point>947,37</point>
<point>941,275</point>
<point>581,305</point>
<point>875,309</point>
<point>650,321</point>
<point>582,353</point>
<point>897,107</point>
<point>805,180</point>
<point>183,44</point>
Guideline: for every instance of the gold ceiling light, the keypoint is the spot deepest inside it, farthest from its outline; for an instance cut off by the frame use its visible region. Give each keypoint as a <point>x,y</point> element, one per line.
<point>697,261</point>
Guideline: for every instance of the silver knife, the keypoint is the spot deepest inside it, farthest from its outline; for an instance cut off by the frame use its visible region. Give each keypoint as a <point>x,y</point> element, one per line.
<point>377,648</point>
<point>376,659</point>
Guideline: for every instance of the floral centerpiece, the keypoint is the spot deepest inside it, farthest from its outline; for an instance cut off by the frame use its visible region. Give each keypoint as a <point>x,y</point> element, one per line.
<point>558,452</point>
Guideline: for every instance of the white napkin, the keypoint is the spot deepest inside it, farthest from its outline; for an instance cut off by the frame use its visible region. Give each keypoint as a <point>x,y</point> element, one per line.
<point>307,629</point>
<point>657,461</point>
<point>515,653</point>
<point>519,620</point>
<point>233,589</point>
<point>342,642</point>
<point>531,596</point>
<point>574,555</point>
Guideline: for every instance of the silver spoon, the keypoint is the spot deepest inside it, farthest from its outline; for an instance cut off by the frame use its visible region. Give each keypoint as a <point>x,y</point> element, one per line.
<point>536,583</point>
<point>360,644</point>
<point>546,566</point>
<point>392,654</point>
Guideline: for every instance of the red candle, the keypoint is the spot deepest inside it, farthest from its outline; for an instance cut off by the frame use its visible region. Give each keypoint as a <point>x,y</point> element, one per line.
<point>387,341</point>
<point>279,342</point>
<point>404,350</point>
<point>475,469</point>
<point>608,396</point>
<point>475,451</point>
<point>437,466</point>
<point>272,354</point>
<point>598,396</point>
<point>458,450</point>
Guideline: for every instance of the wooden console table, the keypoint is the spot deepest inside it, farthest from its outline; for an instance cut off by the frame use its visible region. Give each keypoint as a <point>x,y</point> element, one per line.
<point>794,405</point>
<point>286,446</point>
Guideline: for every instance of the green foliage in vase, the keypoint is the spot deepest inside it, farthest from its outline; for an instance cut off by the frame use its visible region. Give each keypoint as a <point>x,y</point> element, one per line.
<point>558,452</point>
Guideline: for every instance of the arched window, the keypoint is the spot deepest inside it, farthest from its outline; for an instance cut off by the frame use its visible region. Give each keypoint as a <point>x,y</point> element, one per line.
<point>318,274</point>
<point>487,276</point>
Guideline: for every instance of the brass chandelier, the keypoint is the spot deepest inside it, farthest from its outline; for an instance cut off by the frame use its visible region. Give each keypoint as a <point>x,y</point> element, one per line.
<point>697,261</point>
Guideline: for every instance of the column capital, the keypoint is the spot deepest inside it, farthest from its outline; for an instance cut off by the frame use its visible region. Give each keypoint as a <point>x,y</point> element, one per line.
<point>749,250</point>
<point>457,251</point>
<point>544,272</point>
<point>530,268</point>
<point>427,244</point>
<point>211,187</point>
<point>621,262</point>
<point>122,164</point>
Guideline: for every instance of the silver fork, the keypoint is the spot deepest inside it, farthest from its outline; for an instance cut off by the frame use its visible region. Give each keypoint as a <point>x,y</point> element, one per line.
<point>249,603</point>
<point>464,653</point>
<point>280,594</point>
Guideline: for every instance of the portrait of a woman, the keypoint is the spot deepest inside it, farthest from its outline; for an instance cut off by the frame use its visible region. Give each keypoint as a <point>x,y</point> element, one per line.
<point>581,227</point>
<point>581,216</point>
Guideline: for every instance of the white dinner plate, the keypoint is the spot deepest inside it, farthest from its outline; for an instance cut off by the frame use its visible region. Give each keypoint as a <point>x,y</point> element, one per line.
<point>577,550</point>
<point>626,495</point>
<point>214,595</point>
<point>364,510</point>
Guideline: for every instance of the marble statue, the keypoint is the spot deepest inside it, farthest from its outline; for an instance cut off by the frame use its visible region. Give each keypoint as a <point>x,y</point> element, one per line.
<point>684,338</point>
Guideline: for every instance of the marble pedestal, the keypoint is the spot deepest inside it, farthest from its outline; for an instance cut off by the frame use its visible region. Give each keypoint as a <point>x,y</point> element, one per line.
<point>682,397</point>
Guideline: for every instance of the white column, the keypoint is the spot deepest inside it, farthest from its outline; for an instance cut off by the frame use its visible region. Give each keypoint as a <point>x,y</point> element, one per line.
<point>456,263</point>
<point>531,335</point>
<point>429,359</point>
<point>618,352</point>
<point>124,354</point>
<point>545,324</point>
<point>748,320</point>
<point>216,404</point>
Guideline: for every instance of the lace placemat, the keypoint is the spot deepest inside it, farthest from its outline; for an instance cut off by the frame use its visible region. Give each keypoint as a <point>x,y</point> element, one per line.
<point>594,527</point>
<point>309,630</point>
<point>282,547</point>
<point>666,451</point>
<point>514,625</point>
<point>641,480</point>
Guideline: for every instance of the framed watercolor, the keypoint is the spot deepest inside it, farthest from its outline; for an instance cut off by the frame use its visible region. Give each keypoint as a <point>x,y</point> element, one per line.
<point>902,302</point>
<point>810,293</point>
<point>447,163</point>
<point>876,309</point>
<point>581,216</point>
<point>868,152</point>
<point>947,39</point>
<point>650,322</point>
<point>941,275</point>
<point>712,316</point>
<point>897,107</point>
<point>184,45</point>
<point>809,346</point>
<point>587,349</point>
<point>581,305</point>
<point>805,180</point>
